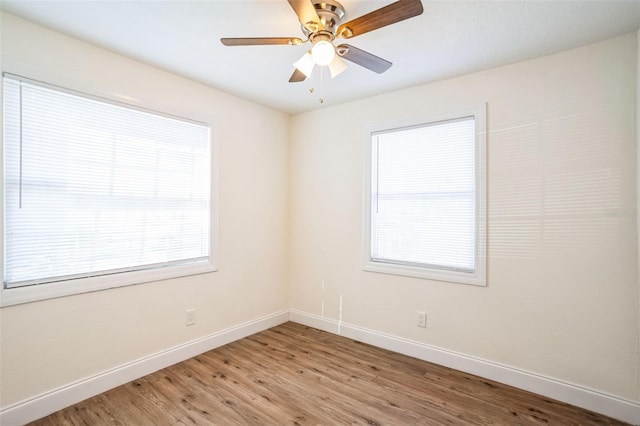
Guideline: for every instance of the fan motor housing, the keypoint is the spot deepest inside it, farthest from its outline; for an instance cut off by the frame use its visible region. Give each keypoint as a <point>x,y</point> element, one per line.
<point>330,13</point>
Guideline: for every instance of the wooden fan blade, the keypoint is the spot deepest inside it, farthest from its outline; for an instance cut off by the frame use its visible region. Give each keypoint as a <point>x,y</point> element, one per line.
<point>297,76</point>
<point>306,12</point>
<point>395,12</point>
<point>259,41</point>
<point>364,59</point>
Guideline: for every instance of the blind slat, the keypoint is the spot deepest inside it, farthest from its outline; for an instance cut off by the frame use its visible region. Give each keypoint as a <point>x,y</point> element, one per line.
<point>423,196</point>
<point>96,188</point>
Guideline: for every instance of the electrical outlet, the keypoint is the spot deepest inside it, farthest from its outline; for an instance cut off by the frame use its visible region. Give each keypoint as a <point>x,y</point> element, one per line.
<point>191,316</point>
<point>422,319</point>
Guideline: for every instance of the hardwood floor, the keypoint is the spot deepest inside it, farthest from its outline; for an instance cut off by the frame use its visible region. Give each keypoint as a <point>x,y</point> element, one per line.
<point>295,375</point>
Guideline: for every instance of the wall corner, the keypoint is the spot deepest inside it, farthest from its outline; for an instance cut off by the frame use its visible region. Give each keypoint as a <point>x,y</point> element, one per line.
<point>637,141</point>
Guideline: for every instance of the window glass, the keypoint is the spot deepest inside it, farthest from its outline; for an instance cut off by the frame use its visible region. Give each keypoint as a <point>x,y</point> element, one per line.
<point>424,200</point>
<point>97,188</point>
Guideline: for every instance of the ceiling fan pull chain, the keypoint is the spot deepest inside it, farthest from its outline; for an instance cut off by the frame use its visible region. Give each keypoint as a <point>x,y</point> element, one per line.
<point>321,85</point>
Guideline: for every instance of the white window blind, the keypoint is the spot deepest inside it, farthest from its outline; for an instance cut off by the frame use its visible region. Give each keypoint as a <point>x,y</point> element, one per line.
<point>95,188</point>
<point>423,196</point>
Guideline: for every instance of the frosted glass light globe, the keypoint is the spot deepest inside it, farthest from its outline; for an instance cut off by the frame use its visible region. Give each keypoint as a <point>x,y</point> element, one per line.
<point>323,52</point>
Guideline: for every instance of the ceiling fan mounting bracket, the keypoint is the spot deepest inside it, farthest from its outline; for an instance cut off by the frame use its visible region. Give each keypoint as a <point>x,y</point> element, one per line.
<point>342,50</point>
<point>310,27</point>
<point>345,32</point>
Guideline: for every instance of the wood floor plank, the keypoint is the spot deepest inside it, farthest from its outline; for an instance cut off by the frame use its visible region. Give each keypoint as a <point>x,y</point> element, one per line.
<point>354,381</point>
<point>297,375</point>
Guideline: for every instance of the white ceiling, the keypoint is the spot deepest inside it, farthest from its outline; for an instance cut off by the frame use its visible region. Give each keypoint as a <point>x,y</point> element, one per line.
<point>450,38</point>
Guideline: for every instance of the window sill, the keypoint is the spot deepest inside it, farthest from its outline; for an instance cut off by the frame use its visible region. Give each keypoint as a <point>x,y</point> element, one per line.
<point>20,295</point>
<point>477,278</point>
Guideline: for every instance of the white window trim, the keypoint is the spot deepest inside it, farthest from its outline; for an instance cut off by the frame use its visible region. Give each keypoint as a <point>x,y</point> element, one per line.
<point>33,293</point>
<point>479,276</point>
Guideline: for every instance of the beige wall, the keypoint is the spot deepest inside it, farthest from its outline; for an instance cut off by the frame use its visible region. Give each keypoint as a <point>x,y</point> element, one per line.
<point>53,343</point>
<point>562,294</point>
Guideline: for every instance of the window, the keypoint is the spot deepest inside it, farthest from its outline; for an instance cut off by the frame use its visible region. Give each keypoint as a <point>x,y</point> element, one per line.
<point>99,194</point>
<point>426,202</point>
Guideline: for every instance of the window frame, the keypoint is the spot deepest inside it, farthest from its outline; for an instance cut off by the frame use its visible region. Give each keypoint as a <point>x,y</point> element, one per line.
<point>31,293</point>
<point>478,276</point>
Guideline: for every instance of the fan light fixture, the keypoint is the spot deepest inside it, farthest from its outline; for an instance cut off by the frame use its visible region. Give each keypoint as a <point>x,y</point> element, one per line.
<point>305,64</point>
<point>337,66</point>
<point>323,52</point>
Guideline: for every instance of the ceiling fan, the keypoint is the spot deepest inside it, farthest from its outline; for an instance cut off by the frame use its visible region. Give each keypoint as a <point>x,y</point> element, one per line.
<point>321,22</point>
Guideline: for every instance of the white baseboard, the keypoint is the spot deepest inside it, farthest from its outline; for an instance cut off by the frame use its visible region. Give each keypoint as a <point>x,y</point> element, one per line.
<point>627,411</point>
<point>57,399</point>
